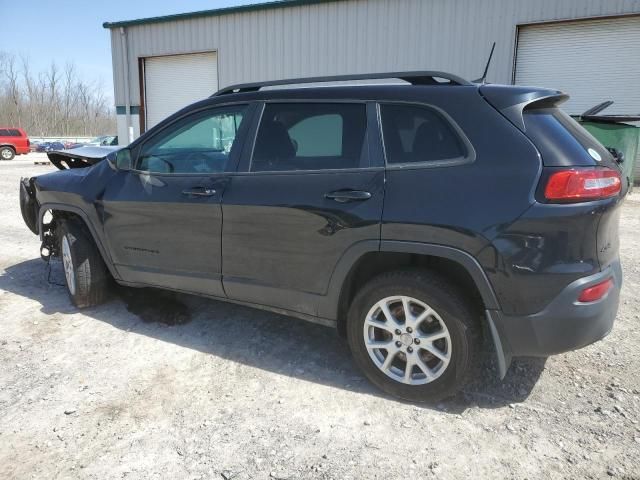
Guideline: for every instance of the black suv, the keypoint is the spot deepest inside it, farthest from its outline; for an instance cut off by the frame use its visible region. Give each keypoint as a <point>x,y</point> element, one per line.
<point>417,218</point>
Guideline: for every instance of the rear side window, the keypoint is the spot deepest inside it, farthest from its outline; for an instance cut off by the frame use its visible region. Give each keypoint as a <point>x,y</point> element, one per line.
<point>14,133</point>
<point>560,139</point>
<point>4,132</point>
<point>310,136</point>
<point>415,133</point>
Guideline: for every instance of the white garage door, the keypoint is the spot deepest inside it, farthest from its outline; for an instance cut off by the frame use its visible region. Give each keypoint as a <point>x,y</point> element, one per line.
<point>175,81</point>
<point>592,60</point>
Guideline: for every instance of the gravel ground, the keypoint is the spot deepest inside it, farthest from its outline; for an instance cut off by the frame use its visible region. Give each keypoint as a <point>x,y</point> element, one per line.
<point>152,385</point>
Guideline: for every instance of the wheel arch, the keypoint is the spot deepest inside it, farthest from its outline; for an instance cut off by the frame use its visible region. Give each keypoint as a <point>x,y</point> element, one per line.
<point>81,216</point>
<point>367,259</point>
<point>454,263</point>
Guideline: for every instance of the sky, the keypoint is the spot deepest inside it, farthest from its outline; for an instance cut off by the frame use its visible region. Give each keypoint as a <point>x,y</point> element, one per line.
<point>71,30</point>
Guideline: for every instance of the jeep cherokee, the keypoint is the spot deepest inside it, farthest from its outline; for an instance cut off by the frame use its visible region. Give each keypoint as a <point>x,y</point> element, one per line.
<point>417,218</point>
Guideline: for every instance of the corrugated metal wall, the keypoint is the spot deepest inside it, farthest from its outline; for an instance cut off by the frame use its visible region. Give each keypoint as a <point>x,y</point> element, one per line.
<point>351,37</point>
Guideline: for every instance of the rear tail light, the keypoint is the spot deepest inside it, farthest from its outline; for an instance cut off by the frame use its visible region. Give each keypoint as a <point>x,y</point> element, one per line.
<point>580,185</point>
<point>596,292</point>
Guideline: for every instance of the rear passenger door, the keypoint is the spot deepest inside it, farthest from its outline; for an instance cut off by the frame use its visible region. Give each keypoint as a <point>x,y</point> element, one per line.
<point>429,176</point>
<point>310,187</point>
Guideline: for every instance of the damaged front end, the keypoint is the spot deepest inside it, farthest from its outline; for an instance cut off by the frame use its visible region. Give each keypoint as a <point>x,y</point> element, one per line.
<point>55,187</point>
<point>29,204</point>
<point>81,157</point>
<point>30,209</point>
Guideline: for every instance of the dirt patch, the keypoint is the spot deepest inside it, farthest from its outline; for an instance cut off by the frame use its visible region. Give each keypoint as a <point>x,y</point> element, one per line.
<point>154,305</point>
<point>149,304</point>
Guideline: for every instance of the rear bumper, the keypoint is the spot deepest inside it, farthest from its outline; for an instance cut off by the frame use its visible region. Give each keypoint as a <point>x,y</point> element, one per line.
<point>564,325</point>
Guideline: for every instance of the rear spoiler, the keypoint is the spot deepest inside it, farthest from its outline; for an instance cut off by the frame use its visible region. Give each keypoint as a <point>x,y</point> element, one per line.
<point>80,157</point>
<point>512,101</point>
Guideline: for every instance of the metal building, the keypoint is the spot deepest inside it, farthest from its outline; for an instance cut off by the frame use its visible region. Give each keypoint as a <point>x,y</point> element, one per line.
<point>589,48</point>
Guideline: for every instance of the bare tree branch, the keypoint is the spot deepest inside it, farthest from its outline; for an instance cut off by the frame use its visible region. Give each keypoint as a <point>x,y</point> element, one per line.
<point>55,102</point>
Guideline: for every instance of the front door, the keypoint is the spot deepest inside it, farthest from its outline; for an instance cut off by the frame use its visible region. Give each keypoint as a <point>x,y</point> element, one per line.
<point>312,188</point>
<point>163,220</point>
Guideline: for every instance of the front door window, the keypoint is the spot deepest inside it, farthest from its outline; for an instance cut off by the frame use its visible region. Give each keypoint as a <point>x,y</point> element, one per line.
<point>199,144</point>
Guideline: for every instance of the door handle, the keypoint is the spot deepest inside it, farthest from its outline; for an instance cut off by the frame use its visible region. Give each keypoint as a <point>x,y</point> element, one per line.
<point>199,192</point>
<point>344,196</point>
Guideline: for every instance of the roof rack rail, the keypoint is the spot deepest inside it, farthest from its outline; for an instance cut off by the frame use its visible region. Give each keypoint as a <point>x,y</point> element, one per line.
<point>414,78</point>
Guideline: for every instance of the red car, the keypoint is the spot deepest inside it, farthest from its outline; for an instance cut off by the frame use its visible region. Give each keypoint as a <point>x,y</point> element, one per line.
<point>13,141</point>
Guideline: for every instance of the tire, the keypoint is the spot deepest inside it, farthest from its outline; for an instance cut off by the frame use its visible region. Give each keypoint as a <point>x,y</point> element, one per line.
<point>439,368</point>
<point>86,275</point>
<point>7,153</point>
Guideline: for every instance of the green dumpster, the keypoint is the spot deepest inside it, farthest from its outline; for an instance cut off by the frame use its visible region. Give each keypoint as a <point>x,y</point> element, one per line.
<point>612,131</point>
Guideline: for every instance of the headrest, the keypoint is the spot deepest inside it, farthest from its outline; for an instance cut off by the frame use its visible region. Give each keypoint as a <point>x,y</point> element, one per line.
<point>274,142</point>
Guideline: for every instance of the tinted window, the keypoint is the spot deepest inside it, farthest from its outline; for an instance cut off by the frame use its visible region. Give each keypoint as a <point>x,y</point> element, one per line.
<point>418,134</point>
<point>560,138</point>
<point>14,133</point>
<point>4,133</point>
<point>310,136</point>
<point>201,143</point>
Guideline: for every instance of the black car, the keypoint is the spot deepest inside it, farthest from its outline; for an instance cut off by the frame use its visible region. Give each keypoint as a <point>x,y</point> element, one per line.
<point>418,219</point>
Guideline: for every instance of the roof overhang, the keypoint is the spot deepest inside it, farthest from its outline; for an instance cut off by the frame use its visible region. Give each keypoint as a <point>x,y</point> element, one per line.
<point>217,12</point>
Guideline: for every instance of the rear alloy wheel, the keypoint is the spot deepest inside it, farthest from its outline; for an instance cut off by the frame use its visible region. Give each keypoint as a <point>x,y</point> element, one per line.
<point>7,153</point>
<point>407,340</point>
<point>414,335</point>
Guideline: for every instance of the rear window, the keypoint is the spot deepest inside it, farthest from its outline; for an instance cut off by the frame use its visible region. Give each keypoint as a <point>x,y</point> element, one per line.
<point>560,139</point>
<point>416,133</point>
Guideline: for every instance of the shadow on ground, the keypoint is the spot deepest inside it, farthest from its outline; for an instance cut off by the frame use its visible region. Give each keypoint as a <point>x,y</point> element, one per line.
<point>253,337</point>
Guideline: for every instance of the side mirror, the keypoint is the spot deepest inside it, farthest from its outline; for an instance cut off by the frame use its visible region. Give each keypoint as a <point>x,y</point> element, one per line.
<point>120,160</point>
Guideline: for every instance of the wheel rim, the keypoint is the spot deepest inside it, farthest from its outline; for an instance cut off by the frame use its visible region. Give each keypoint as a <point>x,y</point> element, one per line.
<point>67,263</point>
<point>6,153</point>
<point>407,340</point>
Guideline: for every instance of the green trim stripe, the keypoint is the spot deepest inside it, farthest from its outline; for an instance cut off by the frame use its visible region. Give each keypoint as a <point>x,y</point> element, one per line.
<point>122,110</point>
<point>217,12</point>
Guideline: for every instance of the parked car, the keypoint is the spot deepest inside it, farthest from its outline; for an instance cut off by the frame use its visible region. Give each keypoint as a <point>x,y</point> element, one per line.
<point>13,141</point>
<point>418,219</point>
<point>49,146</point>
<point>33,145</point>
<point>101,141</point>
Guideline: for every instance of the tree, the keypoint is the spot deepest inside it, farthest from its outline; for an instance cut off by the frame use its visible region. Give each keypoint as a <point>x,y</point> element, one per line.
<point>55,102</point>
